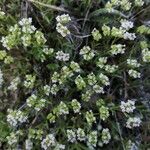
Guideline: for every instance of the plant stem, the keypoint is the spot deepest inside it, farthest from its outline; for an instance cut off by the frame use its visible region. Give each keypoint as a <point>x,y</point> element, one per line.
<point>53,7</point>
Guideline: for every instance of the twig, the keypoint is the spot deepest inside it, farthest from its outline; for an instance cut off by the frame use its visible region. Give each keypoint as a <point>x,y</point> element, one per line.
<point>81,36</point>
<point>55,8</point>
<point>125,84</point>
<point>121,138</point>
<point>140,12</point>
<point>86,16</point>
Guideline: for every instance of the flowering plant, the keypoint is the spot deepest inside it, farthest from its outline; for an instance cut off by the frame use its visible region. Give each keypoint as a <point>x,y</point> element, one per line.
<point>74,82</point>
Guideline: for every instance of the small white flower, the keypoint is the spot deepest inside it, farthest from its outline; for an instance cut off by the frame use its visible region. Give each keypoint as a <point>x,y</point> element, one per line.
<point>63,109</point>
<point>48,142</point>
<point>117,49</point>
<point>101,62</point>
<point>146,55</point>
<point>60,55</point>
<point>125,24</point>
<point>98,89</point>
<point>71,135</point>
<point>48,51</point>
<point>76,106</point>
<point>139,3</point>
<point>133,122</point>
<point>63,30</point>
<point>75,66</point>
<point>87,53</point>
<point>25,21</point>
<point>92,138</point>
<point>63,19</point>
<point>15,117</point>
<point>54,89</point>
<point>12,138</point>
<point>106,136</point>
<point>28,144</point>
<point>134,73</point>
<point>128,106</point>
<point>47,89</point>
<point>111,68</point>
<point>59,146</point>
<point>133,63</point>
<point>14,83</point>
<point>81,134</point>
<point>130,36</point>
<point>104,79</point>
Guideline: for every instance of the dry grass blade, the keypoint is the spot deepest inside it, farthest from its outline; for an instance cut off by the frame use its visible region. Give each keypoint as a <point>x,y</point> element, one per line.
<point>55,8</point>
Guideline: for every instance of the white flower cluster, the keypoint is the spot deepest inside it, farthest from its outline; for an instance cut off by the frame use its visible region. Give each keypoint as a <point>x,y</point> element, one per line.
<point>90,118</point>
<point>47,90</point>
<point>27,30</point>
<point>104,112</point>
<point>14,83</point>
<point>75,66</point>
<point>128,106</point>
<point>92,138</point>
<point>133,63</point>
<point>98,89</point>
<point>62,109</point>
<point>71,135</point>
<point>48,142</point>
<point>12,138</point>
<point>2,14</point>
<point>61,27</point>
<point>146,55</point>
<point>91,79</point>
<point>130,36</point>
<point>101,62</point>
<point>28,144</point>
<point>12,38</point>
<point>124,4</point>
<point>15,117</point>
<point>66,72</point>
<point>60,55</point>
<point>125,24</point>
<point>139,3</point>
<point>120,32</point>
<point>106,136</point>
<point>117,49</point>
<point>104,79</point>
<point>76,106</point>
<point>111,68</point>
<point>133,122</point>
<point>87,95</point>
<point>59,146</point>
<point>1,78</point>
<point>54,89</point>
<point>39,37</point>
<point>63,19</point>
<point>80,82</point>
<point>76,134</point>
<point>81,134</point>
<point>131,145</point>
<point>134,74</point>
<point>48,51</point>
<point>29,82</point>
<point>26,25</point>
<point>35,102</point>
<point>96,34</point>
<point>87,53</point>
